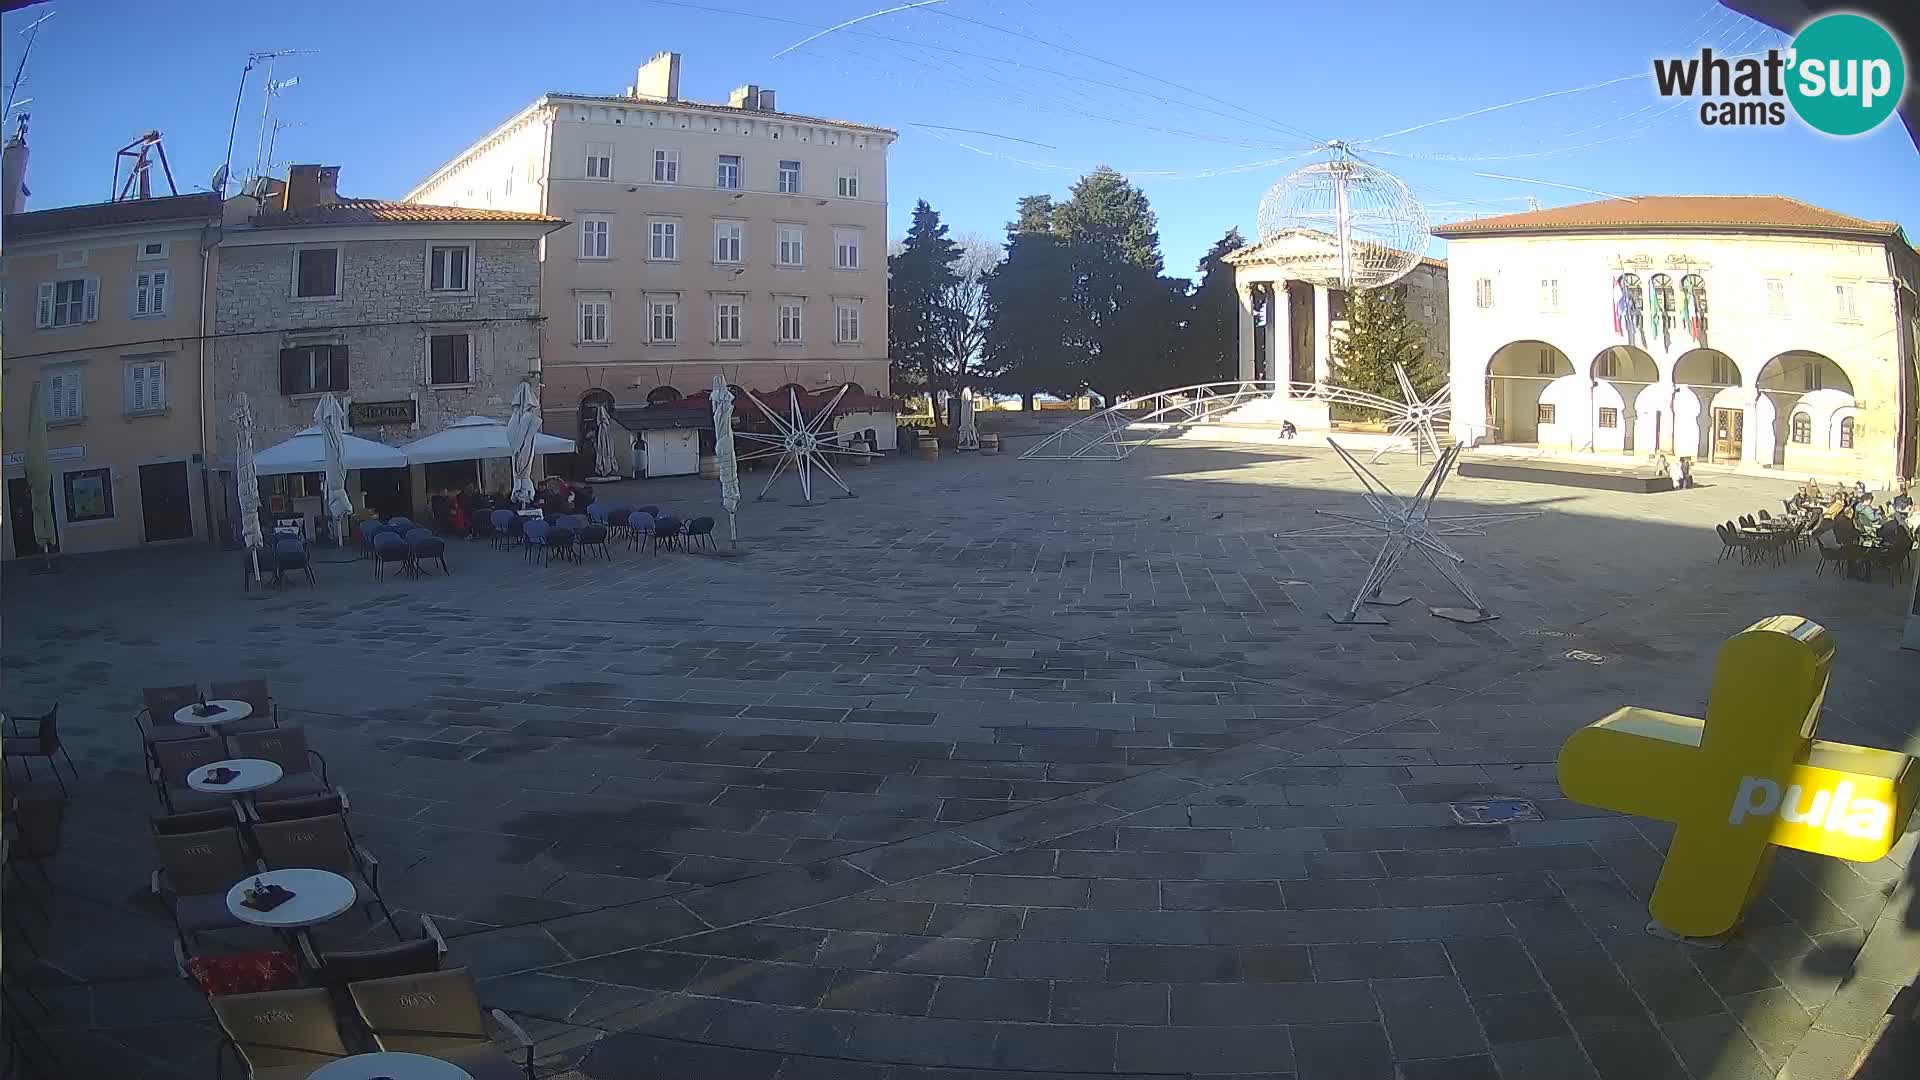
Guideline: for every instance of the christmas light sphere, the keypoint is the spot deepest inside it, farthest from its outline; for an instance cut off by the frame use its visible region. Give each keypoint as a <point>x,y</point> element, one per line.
<point>1350,225</point>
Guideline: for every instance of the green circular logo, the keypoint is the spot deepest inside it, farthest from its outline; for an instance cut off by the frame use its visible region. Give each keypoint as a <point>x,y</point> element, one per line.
<point>1846,74</point>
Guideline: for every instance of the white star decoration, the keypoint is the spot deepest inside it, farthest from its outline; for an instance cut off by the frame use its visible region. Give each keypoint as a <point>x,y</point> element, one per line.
<point>1415,419</point>
<point>1405,524</point>
<point>803,444</point>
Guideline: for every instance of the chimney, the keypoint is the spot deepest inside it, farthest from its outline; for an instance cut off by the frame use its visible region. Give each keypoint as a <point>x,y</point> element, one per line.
<point>13,170</point>
<point>311,185</point>
<point>766,102</point>
<point>744,97</point>
<point>659,77</point>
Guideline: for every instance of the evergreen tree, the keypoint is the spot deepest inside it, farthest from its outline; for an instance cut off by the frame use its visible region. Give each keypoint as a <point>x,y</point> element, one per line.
<point>1209,343</point>
<point>1379,335</point>
<point>1028,306</point>
<point>918,277</point>
<point>1120,304</point>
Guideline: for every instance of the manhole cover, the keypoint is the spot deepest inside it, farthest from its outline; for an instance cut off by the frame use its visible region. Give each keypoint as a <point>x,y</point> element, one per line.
<point>1585,657</point>
<point>1494,810</point>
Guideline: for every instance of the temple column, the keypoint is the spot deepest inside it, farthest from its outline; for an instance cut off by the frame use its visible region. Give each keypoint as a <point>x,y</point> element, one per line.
<point>1248,327</point>
<point>1280,340</point>
<point>1322,335</point>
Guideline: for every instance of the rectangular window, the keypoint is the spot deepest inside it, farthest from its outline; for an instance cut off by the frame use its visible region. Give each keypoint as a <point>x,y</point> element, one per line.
<point>846,249</point>
<point>666,240</point>
<point>64,398</point>
<point>661,316</point>
<point>596,238</point>
<point>666,166</point>
<point>1812,378</point>
<point>726,322</point>
<point>599,161</point>
<point>1724,373</point>
<point>448,267</point>
<point>146,389</point>
<point>846,323</point>
<point>789,179</point>
<point>316,273</point>
<point>726,174</point>
<point>790,323</point>
<point>792,247</point>
<point>1777,297</point>
<point>1609,417</point>
<point>1549,294</point>
<point>729,241</point>
<point>150,293</point>
<point>1606,365</point>
<point>593,320</point>
<point>153,249</point>
<point>1483,292</point>
<point>69,302</point>
<point>849,182</point>
<point>313,369</point>
<point>1844,304</point>
<point>450,359</point>
<point>88,495</point>
<point>1543,415</point>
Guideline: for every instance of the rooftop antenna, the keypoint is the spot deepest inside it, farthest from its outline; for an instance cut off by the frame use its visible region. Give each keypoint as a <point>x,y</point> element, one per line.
<point>139,175</point>
<point>254,59</point>
<point>268,93</point>
<point>273,137</point>
<point>32,31</point>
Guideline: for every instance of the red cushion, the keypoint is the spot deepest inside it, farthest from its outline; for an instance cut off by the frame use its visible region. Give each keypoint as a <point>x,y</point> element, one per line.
<point>245,973</point>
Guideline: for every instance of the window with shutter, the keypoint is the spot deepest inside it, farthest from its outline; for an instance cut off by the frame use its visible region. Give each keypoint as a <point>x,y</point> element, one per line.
<point>69,302</point>
<point>64,398</point>
<point>150,293</point>
<point>313,369</point>
<point>451,359</point>
<point>146,386</point>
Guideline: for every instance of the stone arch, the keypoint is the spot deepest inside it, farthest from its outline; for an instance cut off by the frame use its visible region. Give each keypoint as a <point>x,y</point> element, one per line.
<point>1701,378</point>
<point>1795,381</point>
<point>1518,375</point>
<point>1621,374</point>
<point>588,421</point>
<point>661,395</point>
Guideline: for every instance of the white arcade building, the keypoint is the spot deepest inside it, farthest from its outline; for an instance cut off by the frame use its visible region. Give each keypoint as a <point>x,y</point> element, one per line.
<point>1754,331</point>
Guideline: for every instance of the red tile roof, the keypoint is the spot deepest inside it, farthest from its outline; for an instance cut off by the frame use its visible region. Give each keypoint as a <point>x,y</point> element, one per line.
<point>1743,213</point>
<point>60,219</point>
<point>382,212</point>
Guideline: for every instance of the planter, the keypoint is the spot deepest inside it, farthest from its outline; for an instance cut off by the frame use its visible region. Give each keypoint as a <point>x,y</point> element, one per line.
<point>709,467</point>
<point>926,446</point>
<point>989,442</point>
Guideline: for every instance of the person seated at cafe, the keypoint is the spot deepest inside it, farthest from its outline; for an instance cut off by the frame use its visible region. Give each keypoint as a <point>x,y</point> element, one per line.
<point>440,509</point>
<point>471,505</point>
<point>1892,532</point>
<point>555,499</point>
<point>582,498</point>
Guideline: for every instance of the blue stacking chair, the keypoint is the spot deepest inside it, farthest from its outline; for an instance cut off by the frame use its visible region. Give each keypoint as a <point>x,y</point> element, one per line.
<point>502,521</point>
<point>389,547</point>
<point>422,544</point>
<point>534,535</point>
<point>639,528</point>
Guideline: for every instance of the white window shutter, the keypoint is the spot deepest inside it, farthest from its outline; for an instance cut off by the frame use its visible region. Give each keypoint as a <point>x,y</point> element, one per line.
<point>43,313</point>
<point>140,294</point>
<point>159,297</point>
<point>93,299</point>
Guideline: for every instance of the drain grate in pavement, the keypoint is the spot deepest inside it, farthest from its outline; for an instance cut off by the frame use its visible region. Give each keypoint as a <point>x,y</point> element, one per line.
<point>1494,810</point>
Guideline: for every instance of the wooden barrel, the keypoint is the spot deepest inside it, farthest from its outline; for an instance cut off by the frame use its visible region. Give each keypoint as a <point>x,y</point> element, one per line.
<point>927,446</point>
<point>709,467</point>
<point>989,442</point>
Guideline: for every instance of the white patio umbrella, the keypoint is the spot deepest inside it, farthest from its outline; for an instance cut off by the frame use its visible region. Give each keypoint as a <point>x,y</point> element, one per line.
<point>306,452</point>
<point>472,437</point>
<point>332,421</point>
<point>603,463</point>
<point>722,399</point>
<point>248,479</point>
<point>523,427</point>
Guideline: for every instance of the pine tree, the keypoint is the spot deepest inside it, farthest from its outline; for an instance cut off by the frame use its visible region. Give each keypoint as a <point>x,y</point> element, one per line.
<point>918,277</point>
<point>1028,305</point>
<point>1379,335</point>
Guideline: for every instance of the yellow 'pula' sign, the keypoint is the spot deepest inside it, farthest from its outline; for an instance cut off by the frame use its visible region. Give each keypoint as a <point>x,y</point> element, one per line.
<point>1747,779</point>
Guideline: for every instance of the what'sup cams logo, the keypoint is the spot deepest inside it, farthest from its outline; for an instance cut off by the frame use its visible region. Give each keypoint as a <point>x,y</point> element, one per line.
<point>1844,75</point>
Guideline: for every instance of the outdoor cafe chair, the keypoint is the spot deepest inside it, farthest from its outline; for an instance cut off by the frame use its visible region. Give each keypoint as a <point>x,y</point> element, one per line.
<point>305,806</point>
<point>303,771</point>
<point>161,702</point>
<point>1838,556</point>
<point>617,520</point>
<point>597,513</point>
<point>196,870</point>
<point>291,554</point>
<point>700,530</point>
<point>533,535</point>
<point>389,548</point>
<point>419,956</point>
<point>502,522</point>
<point>192,821</point>
<point>368,530</point>
<point>42,741</point>
<point>257,694</point>
<point>400,524</point>
<point>1729,545</point>
<point>173,760</point>
<point>562,541</point>
<point>422,545</point>
<point>666,532</point>
<point>594,535</point>
<point>439,1014</point>
<point>650,511</point>
<point>1894,558</point>
<point>639,528</point>
<point>323,843</point>
<point>279,1034</point>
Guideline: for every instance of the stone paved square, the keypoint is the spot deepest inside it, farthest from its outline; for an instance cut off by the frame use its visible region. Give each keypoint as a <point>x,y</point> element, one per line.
<point>1003,768</point>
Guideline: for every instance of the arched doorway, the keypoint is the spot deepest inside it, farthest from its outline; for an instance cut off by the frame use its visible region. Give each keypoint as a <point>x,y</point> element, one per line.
<point>661,395</point>
<point>1518,374</point>
<point>1799,394</point>
<point>1621,374</point>
<point>1708,423</point>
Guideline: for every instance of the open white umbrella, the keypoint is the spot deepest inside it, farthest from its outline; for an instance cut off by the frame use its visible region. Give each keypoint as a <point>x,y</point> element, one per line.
<point>723,455</point>
<point>522,429</point>
<point>331,419</point>
<point>306,452</point>
<point>472,437</point>
<point>248,479</point>
<point>40,479</point>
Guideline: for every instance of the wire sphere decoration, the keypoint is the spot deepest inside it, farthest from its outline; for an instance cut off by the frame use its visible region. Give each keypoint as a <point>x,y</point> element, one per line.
<point>1357,225</point>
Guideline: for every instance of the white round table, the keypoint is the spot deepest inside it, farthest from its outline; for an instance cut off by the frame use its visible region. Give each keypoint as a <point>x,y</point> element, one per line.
<point>318,895</point>
<point>397,1066</point>
<point>226,711</point>
<point>255,773</point>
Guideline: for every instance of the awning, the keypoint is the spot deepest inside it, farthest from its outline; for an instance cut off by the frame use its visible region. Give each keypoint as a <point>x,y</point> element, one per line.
<point>476,437</point>
<point>307,452</point>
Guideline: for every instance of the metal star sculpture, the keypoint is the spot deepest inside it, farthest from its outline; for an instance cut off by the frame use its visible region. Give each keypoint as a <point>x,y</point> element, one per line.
<point>801,443</point>
<point>1406,524</point>
<point>1416,418</point>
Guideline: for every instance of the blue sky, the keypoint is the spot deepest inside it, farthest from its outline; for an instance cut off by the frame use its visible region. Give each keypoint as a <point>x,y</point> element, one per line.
<point>1180,96</point>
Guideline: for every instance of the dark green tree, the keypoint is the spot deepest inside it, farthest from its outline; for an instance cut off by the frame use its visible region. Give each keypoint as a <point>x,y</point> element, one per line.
<point>1028,306</point>
<point>918,278</point>
<point>1380,334</point>
<point>1209,343</point>
<point>1121,307</point>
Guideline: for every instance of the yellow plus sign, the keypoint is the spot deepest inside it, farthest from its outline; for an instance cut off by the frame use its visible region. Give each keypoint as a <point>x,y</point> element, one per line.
<point>1747,779</point>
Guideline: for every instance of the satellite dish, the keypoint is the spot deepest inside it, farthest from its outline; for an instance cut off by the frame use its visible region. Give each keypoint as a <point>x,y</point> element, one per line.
<point>219,181</point>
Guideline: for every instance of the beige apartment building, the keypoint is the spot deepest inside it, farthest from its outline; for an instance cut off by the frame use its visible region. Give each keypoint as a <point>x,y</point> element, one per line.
<point>733,239</point>
<point>104,313</point>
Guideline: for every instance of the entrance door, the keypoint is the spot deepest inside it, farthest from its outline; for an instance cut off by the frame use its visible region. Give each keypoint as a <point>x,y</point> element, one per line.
<point>20,513</point>
<point>388,492</point>
<point>1727,425</point>
<point>165,505</point>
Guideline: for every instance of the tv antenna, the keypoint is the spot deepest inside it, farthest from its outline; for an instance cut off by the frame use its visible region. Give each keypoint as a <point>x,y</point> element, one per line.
<point>31,31</point>
<point>254,59</point>
<point>263,142</point>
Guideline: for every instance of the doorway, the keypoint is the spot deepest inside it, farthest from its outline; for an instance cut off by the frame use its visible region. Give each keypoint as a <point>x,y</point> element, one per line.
<point>388,492</point>
<point>20,510</point>
<point>1727,426</point>
<point>165,506</point>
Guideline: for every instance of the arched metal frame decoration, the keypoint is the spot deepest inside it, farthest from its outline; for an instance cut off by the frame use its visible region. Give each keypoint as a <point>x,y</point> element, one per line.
<point>1115,433</point>
<point>801,443</point>
<point>1379,230</point>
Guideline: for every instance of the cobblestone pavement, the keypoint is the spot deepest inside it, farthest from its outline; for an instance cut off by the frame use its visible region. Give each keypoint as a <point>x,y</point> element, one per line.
<point>1040,769</point>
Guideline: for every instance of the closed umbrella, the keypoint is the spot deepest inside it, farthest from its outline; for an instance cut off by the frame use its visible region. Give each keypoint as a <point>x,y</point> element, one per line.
<point>722,399</point>
<point>522,426</point>
<point>331,419</point>
<point>603,463</point>
<point>40,479</point>
<point>248,478</point>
